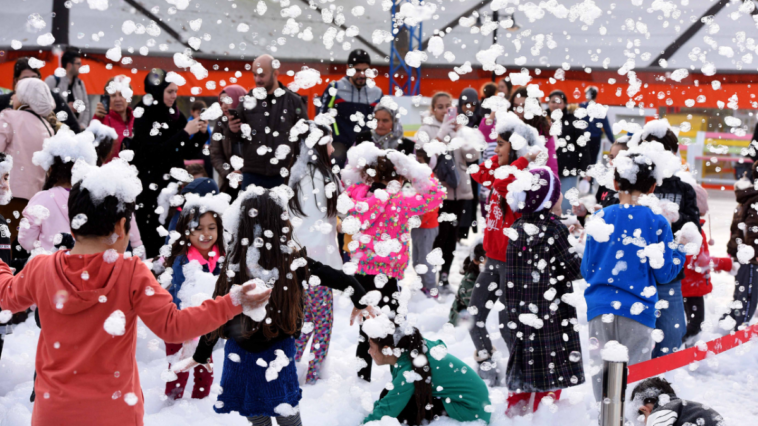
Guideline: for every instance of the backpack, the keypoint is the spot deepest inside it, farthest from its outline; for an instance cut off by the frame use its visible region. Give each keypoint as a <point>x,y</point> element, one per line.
<point>446,170</point>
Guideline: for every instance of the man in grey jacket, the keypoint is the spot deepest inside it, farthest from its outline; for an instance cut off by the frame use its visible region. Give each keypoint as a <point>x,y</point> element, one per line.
<point>71,88</point>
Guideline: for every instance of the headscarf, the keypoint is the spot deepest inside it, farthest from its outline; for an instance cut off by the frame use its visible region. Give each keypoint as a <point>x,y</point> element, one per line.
<point>155,85</point>
<point>392,139</point>
<point>471,97</point>
<point>234,91</point>
<point>35,94</point>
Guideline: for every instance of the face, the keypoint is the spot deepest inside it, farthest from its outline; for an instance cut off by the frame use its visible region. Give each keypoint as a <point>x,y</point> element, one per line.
<point>329,149</point>
<point>205,235</point>
<point>226,103</point>
<point>25,74</point>
<point>118,102</point>
<point>170,94</point>
<point>518,106</point>
<point>503,151</point>
<point>265,76</point>
<point>383,122</point>
<point>359,78</point>
<point>440,107</point>
<point>5,188</point>
<point>468,107</point>
<point>195,114</point>
<point>379,358</point>
<point>615,149</point>
<point>502,88</point>
<point>556,102</point>
<point>73,67</point>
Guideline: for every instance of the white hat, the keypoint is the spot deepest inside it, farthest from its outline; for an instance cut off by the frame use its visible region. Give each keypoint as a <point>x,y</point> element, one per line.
<point>35,93</point>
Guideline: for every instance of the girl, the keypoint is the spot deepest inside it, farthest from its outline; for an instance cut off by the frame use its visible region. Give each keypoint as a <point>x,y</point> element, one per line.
<point>314,204</point>
<point>377,211</point>
<point>545,352</point>
<point>259,378</point>
<point>530,111</point>
<point>491,282</point>
<point>222,149</point>
<point>441,126</point>
<point>198,229</point>
<point>472,266</point>
<point>427,382</point>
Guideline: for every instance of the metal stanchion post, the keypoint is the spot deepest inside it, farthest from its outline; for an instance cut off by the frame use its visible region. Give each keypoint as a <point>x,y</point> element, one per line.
<point>614,389</point>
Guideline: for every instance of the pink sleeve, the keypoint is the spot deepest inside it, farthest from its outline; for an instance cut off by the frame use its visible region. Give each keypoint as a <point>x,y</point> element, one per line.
<point>487,129</point>
<point>421,203</point>
<point>159,313</point>
<point>6,132</point>
<point>134,236</point>
<point>359,194</point>
<point>15,291</point>
<point>552,160</point>
<point>27,236</point>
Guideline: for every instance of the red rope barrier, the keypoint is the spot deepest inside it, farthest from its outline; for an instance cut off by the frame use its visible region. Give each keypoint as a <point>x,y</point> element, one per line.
<point>685,357</point>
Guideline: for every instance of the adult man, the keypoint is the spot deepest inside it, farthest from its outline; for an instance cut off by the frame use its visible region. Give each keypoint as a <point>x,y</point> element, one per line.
<point>354,100</point>
<point>71,88</point>
<point>22,70</point>
<point>266,116</point>
<point>596,127</point>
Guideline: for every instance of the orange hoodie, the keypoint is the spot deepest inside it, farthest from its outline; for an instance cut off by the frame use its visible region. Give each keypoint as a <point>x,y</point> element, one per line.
<point>86,376</point>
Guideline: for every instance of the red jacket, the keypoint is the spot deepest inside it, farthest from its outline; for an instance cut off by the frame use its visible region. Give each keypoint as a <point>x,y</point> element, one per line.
<point>123,129</point>
<point>495,241</point>
<point>697,270</point>
<point>86,376</point>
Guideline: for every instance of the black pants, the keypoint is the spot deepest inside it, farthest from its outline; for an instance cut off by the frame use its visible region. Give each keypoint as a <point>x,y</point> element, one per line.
<point>389,289</point>
<point>694,309</point>
<point>448,236</point>
<point>746,291</point>
<point>410,412</point>
<point>594,145</point>
<point>147,220</point>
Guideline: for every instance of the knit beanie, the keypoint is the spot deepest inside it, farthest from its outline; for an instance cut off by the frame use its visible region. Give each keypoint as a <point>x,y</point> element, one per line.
<point>543,194</point>
<point>35,93</point>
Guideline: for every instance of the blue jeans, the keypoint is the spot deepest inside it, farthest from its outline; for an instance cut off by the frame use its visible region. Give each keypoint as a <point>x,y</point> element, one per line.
<point>567,182</point>
<point>267,182</point>
<point>672,321</point>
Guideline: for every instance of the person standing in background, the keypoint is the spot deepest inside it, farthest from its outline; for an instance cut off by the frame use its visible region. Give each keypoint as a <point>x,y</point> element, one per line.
<point>388,133</point>
<point>470,106</point>
<point>118,114</point>
<point>573,157</point>
<point>222,149</point>
<point>352,97</point>
<point>71,88</point>
<point>596,127</point>
<point>196,109</point>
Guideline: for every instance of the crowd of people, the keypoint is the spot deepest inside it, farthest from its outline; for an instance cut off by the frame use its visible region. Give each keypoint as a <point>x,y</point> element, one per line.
<point>113,213</point>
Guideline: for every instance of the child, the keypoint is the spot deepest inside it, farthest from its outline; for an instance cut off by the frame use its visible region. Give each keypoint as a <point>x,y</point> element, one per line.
<point>427,381</point>
<point>545,353</point>
<point>472,266</point>
<point>658,405</point>
<point>423,238</point>
<point>378,210</point>
<point>86,367</point>
<point>196,240</point>
<point>314,206</point>
<point>620,282</point>
<point>491,282</point>
<point>260,378</point>
<point>6,164</point>
<point>697,275</point>
<point>200,186</point>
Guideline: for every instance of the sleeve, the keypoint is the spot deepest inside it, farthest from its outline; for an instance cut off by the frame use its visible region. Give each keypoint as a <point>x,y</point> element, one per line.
<point>666,273</point>
<point>750,234</point>
<point>217,152</point>
<point>27,236</point>
<point>571,261</point>
<point>135,238</point>
<point>163,318</point>
<point>177,279</point>
<point>485,174</point>
<point>393,403</point>
<point>608,130</point>
<point>326,99</point>
<point>337,280</point>
<point>16,291</point>
<point>359,194</point>
<point>501,185</point>
<point>156,147</point>
<point>204,349</point>
<point>424,203</point>
<point>721,264</point>
<point>70,121</point>
<point>487,129</point>
<point>303,107</point>
<point>662,417</point>
<point>6,132</point>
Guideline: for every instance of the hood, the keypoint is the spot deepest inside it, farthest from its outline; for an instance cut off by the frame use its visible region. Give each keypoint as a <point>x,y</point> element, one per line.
<point>234,91</point>
<point>78,294</point>
<point>745,196</point>
<point>201,186</point>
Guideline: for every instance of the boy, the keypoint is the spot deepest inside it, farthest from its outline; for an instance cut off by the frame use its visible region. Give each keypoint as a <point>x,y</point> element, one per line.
<point>89,299</point>
<point>658,402</point>
<point>628,250</point>
<point>422,239</point>
<point>197,108</point>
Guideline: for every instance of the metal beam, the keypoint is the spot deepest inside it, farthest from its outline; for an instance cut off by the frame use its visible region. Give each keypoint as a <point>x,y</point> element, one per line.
<point>454,22</point>
<point>690,32</point>
<point>143,10</point>
<point>60,23</point>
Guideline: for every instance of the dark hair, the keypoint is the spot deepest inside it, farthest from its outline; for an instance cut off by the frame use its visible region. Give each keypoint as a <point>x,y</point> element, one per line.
<point>58,174</point>
<point>488,90</point>
<point>423,155</point>
<point>102,217</point>
<point>414,345</point>
<point>506,136</point>
<point>658,384</point>
<point>68,57</point>
<point>285,307</point>
<point>196,169</point>
<point>645,177</point>
<point>508,84</point>
<point>669,141</point>
<point>319,160</point>
<point>539,122</point>
<point>103,148</point>
<point>198,105</point>
<point>188,221</point>
<point>469,267</point>
<point>22,64</point>
<point>384,171</point>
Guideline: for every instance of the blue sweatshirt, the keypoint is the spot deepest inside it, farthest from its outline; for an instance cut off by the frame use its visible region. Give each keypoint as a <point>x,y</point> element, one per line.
<point>620,281</point>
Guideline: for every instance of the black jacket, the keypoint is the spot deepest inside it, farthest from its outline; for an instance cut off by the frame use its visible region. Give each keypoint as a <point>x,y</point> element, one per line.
<point>683,194</point>
<point>258,342</point>
<point>60,106</point>
<point>270,121</point>
<point>571,156</point>
<point>679,412</point>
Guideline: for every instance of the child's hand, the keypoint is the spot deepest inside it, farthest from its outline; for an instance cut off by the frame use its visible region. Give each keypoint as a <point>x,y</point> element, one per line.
<point>188,364</point>
<point>252,300</point>
<point>369,312</point>
<point>645,410</point>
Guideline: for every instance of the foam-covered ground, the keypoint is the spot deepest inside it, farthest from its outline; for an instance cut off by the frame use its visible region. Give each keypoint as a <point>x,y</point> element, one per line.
<point>726,382</point>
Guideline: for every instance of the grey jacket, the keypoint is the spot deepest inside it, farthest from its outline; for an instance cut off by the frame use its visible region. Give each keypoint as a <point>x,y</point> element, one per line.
<point>60,85</point>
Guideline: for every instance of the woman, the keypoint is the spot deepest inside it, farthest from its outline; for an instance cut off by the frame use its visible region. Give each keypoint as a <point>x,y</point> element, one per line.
<point>22,131</point>
<point>505,87</point>
<point>118,114</point>
<point>222,148</point>
<point>470,106</point>
<point>388,133</point>
<point>573,157</point>
<point>443,129</point>
<point>519,101</point>
<point>162,141</point>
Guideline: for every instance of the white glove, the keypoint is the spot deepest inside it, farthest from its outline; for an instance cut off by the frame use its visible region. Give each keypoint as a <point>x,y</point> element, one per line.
<point>446,129</point>
<point>584,186</point>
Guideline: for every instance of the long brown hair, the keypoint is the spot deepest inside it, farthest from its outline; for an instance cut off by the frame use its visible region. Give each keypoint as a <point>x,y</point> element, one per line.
<point>384,171</point>
<point>58,174</point>
<point>321,162</point>
<point>188,221</point>
<point>539,122</point>
<point>284,312</point>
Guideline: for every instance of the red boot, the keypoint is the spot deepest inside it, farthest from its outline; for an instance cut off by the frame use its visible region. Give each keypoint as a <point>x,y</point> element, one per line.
<point>518,404</point>
<point>556,395</point>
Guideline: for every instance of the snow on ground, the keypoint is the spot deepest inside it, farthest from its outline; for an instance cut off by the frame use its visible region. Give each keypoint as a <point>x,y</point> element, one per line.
<point>727,382</point>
